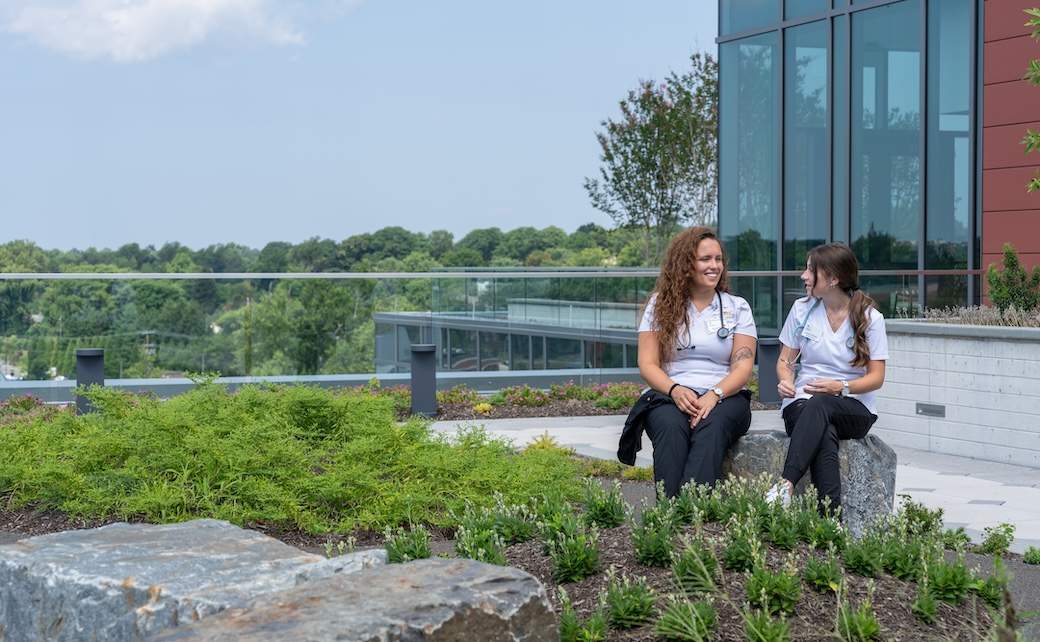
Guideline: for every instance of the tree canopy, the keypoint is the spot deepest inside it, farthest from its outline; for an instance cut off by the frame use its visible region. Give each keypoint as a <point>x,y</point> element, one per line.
<point>660,158</point>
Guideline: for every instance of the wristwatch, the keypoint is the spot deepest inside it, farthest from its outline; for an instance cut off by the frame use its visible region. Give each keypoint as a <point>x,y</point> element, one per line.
<point>718,392</point>
<point>844,388</point>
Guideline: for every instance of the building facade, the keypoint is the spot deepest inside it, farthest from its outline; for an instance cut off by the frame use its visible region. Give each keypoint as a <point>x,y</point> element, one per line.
<point>876,123</point>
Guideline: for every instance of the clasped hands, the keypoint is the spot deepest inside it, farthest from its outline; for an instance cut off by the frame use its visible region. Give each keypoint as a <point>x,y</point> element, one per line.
<point>693,404</point>
<point>818,387</point>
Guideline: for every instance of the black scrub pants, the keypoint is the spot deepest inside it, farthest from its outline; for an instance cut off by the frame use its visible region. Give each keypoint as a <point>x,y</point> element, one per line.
<point>682,454</point>
<point>815,426</point>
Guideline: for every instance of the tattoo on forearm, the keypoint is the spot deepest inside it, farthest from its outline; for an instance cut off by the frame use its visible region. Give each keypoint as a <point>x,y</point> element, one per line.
<point>740,355</point>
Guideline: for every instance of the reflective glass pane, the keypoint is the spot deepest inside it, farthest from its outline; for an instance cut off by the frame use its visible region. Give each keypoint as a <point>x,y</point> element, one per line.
<point>494,351</point>
<point>749,150</point>
<point>798,8</point>
<point>563,353</point>
<point>886,147</point>
<point>538,353</point>
<point>740,15</point>
<point>760,293</point>
<point>406,336</point>
<point>521,352</point>
<point>806,162</point>
<point>599,354</point>
<point>463,349</point>
<point>840,126</point>
<point>949,172</point>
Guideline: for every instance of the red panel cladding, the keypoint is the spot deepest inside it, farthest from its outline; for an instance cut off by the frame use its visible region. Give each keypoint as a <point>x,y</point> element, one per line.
<point>1005,18</point>
<point>1002,146</point>
<point>1010,103</point>
<point>1004,190</point>
<point>1008,60</point>
<point>1021,229</point>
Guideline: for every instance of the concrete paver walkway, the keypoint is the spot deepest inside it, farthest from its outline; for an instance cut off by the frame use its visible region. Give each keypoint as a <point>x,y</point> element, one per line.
<point>973,493</point>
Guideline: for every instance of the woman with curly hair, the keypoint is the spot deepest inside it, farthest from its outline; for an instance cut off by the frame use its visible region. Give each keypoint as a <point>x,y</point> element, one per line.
<point>696,352</point>
<point>840,337</point>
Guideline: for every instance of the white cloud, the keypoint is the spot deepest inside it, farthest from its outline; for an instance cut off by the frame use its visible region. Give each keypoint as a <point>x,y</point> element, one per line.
<point>138,30</point>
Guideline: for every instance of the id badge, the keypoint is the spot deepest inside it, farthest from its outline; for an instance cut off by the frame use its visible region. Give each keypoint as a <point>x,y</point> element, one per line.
<point>712,324</point>
<point>811,332</point>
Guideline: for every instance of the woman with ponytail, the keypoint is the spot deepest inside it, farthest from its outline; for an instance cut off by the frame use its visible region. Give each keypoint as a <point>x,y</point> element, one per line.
<point>839,336</point>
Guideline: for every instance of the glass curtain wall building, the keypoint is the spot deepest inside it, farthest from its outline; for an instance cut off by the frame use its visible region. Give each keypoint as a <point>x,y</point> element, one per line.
<point>854,122</point>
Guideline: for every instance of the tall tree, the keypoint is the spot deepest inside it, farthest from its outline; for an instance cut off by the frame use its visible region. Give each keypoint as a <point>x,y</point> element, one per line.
<point>660,158</point>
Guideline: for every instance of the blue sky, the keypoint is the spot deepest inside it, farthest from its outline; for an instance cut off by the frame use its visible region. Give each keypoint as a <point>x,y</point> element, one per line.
<point>250,121</point>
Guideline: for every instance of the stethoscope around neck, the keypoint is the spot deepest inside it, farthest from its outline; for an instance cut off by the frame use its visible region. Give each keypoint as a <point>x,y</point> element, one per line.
<point>722,332</point>
<point>849,343</point>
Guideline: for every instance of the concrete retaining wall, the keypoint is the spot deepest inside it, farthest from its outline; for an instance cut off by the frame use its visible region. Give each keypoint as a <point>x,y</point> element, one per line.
<point>972,391</point>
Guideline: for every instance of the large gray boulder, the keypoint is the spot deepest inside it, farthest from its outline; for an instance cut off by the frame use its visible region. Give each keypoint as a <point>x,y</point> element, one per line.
<point>432,600</point>
<point>125,582</point>
<point>868,472</point>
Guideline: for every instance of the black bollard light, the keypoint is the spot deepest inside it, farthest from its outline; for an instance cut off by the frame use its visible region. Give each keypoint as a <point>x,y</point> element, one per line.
<point>90,370</point>
<point>424,379</point>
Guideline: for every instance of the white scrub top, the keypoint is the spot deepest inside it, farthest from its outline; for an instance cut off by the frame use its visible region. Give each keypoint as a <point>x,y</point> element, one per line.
<point>825,353</point>
<point>701,358</point>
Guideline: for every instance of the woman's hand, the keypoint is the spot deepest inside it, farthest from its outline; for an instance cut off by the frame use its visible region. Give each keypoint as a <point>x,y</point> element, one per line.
<point>685,399</point>
<point>786,389</point>
<point>823,387</point>
<point>703,408</point>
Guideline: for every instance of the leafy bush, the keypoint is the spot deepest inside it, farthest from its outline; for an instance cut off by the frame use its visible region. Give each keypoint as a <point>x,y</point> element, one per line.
<point>1032,555</point>
<point>925,608</point>
<point>997,539</point>
<point>683,619</point>
<point>297,456</point>
<point>694,566</point>
<point>823,575</point>
<point>523,395</point>
<point>948,582</point>
<point>1013,287</point>
<point>760,626</point>
<point>407,545</point>
<point>859,625</point>
<point>773,592</point>
<point>863,557</point>
<point>480,544</point>
<point>575,557</point>
<point>602,508</point>
<point>629,603</point>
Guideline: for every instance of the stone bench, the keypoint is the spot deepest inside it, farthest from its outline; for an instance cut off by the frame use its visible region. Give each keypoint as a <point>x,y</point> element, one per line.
<point>868,472</point>
<point>210,580</point>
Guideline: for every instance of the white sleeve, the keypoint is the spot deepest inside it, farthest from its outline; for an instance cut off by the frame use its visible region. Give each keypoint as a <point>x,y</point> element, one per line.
<point>648,322</point>
<point>877,336</point>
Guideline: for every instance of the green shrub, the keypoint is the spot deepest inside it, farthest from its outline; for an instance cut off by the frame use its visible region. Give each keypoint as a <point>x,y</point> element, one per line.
<point>996,539</point>
<point>407,545</point>
<point>693,568</point>
<point>863,557</point>
<point>605,509</point>
<point>683,619</point>
<point>948,582</point>
<point>576,556</point>
<point>1032,555</point>
<point>823,575</point>
<point>859,625</point>
<point>653,536</point>
<point>480,544</point>
<point>760,626</point>
<point>629,603</point>
<point>925,608</point>
<point>773,592</point>
<point>292,456</point>
<point>1012,287</point>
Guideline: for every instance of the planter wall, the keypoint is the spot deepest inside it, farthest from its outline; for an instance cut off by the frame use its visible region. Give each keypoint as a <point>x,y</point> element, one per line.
<point>965,390</point>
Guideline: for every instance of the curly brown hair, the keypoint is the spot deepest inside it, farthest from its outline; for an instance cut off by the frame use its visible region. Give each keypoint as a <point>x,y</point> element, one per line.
<point>674,284</point>
<point>837,260</point>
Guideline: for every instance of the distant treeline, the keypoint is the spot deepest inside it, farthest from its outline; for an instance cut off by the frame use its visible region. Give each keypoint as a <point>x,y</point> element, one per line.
<point>258,327</point>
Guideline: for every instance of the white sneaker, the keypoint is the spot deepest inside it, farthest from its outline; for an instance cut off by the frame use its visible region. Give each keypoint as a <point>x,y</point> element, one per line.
<point>780,491</point>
